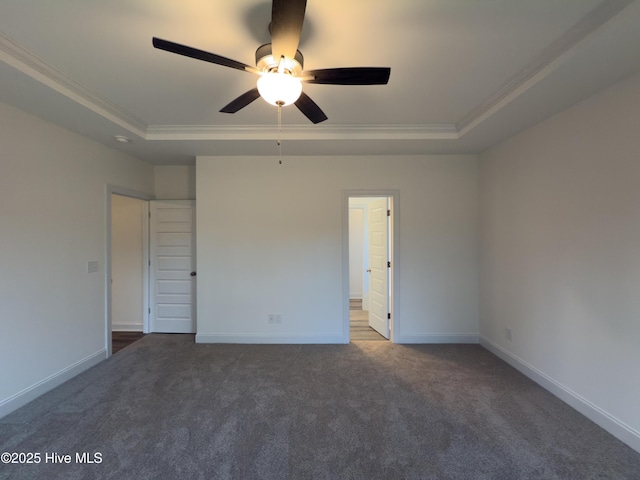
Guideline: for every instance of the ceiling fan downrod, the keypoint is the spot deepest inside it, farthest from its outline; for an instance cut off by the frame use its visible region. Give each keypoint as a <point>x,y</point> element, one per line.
<point>279,104</point>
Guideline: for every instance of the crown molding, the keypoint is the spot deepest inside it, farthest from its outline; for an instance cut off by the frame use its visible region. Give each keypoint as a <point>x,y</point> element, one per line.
<point>541,66</point>
<point>302,132</point>
<point>31,65</point>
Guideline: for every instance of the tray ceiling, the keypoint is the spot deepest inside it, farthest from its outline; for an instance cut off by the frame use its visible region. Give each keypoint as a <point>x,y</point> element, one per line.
<point>465,74</point>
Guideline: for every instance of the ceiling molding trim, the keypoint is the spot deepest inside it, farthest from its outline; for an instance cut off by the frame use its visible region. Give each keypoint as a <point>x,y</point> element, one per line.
<point>548,60</point>
<point>28,63</point>
<point>303,132</point>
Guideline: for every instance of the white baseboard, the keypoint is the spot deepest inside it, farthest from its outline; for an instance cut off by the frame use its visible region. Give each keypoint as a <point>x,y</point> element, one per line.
<point>438,338</point>
<point>268,339</point>
<point>594,413</point>
<point>327,339</point>
<point>23,397</point>
<point>126,327</point>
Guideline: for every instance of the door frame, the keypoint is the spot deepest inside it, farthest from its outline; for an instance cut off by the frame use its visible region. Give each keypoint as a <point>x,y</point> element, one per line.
<point>394,278</point>
<point>125,192</point>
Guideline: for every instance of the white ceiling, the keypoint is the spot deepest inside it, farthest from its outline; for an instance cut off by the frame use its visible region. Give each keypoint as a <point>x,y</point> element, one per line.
<point>465,74</point>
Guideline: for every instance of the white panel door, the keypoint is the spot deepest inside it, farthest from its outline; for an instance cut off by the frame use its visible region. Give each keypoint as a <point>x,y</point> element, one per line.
<point>172,266</point>
<point>378,264</point>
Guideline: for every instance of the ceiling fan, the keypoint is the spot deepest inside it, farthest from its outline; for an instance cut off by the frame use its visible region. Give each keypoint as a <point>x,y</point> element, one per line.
<point>281,65</point>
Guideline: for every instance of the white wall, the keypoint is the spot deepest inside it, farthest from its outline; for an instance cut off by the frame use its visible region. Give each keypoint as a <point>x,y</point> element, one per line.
<point>52,222</point>
<point>175,182</point>
<point>560,255</point>
<point>356,252</point>
<point>270,241</point>
<point>127,262</point>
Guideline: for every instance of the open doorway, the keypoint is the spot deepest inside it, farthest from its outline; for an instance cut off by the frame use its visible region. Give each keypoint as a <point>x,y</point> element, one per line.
<point>129,260</point>
<point>127,273</point>
<point>370,253</point>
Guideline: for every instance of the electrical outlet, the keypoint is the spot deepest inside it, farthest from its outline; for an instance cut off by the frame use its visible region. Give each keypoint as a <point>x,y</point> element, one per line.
<point>507,333</point>
<point>92,267</point>
<point>278,317</point>
<point>271,318</point>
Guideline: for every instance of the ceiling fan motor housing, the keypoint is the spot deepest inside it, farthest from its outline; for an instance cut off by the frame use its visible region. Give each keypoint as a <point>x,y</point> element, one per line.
<point>266,62</point>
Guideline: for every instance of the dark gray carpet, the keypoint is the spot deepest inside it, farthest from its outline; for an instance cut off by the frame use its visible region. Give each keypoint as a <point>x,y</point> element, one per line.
<point>167,408</point>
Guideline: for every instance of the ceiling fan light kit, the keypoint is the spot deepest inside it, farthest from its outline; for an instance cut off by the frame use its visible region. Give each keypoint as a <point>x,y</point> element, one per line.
<point>281,65</point>
<point>280,89</point>
<point>279,83</point>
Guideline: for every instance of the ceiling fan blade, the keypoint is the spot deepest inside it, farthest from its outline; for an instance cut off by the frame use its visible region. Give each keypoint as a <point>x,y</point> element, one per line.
<point>349,76</point>
<point>287,17</point>
<point>310,109</point>
<point>201,55</point>
<point>242,101</point>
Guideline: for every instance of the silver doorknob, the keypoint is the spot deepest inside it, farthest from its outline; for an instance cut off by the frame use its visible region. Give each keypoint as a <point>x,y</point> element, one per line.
<point>368,270</point>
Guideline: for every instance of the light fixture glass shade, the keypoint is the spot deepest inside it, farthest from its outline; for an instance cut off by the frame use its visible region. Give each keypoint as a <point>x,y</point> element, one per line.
<point>279,88</point>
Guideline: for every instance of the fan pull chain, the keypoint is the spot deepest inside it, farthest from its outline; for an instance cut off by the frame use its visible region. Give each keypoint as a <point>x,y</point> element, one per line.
<point>279,133</point>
